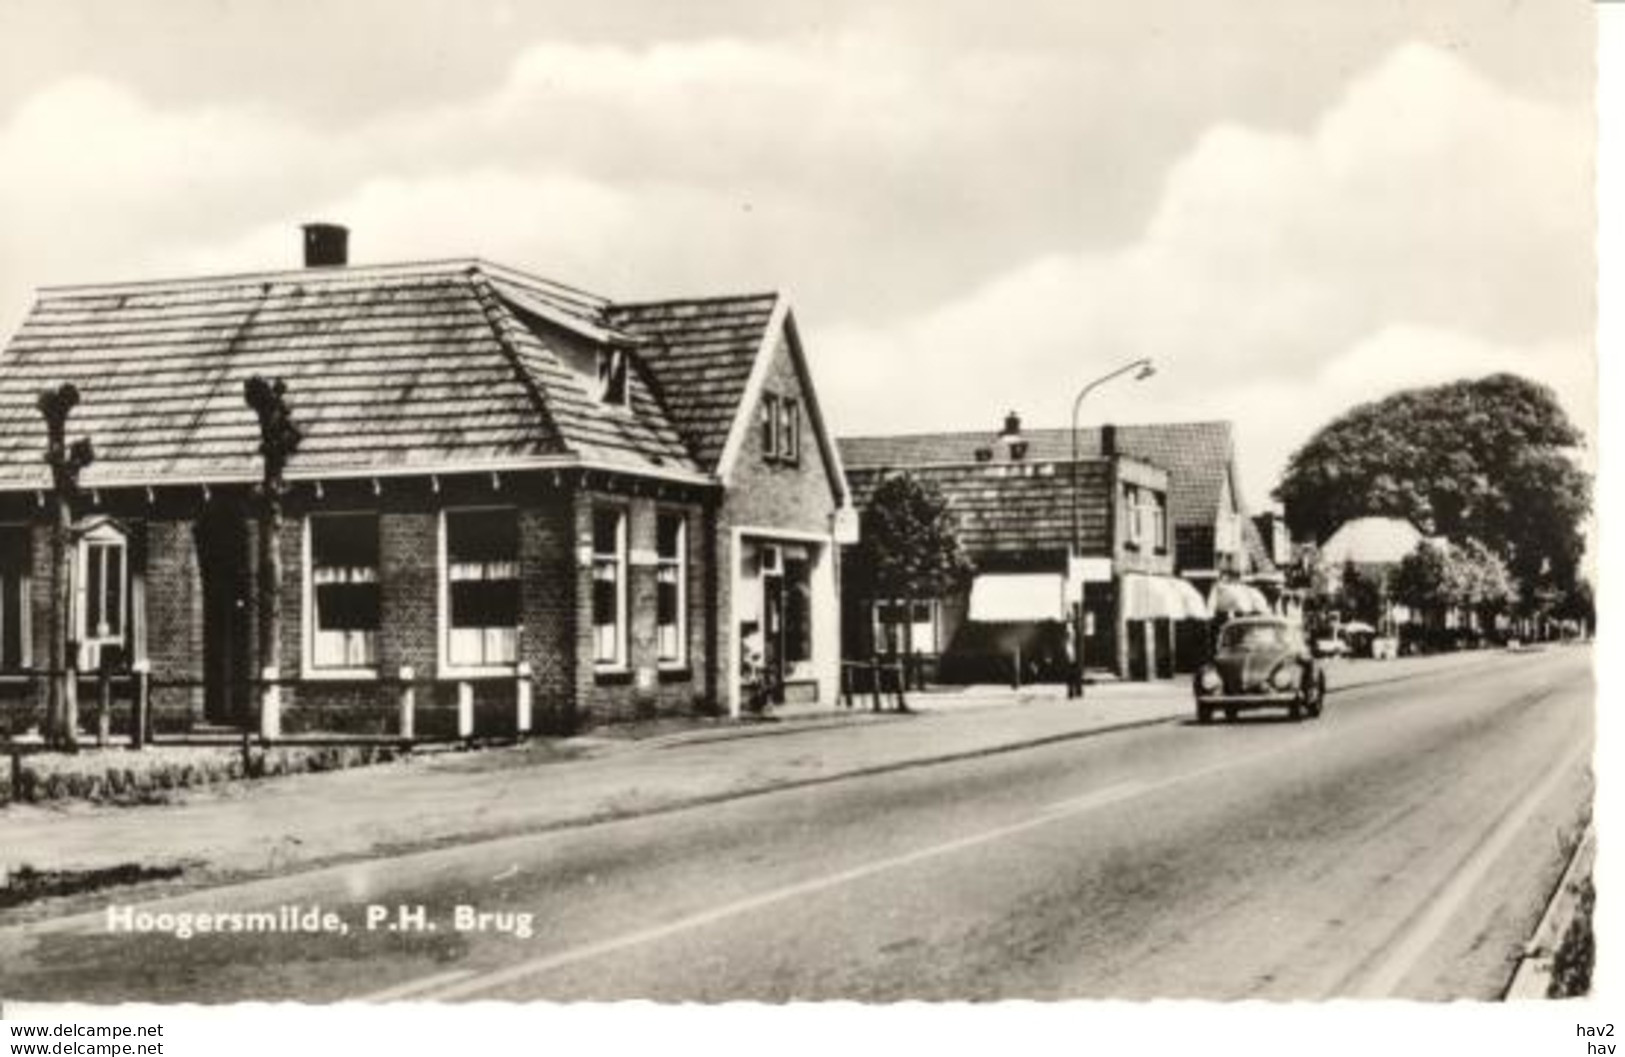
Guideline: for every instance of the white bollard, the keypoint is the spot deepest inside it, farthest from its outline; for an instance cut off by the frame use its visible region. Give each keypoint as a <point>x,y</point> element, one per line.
<point>409,702</point>
<point>522,696</point>
<point>465,710</point>
<point>270,705</point>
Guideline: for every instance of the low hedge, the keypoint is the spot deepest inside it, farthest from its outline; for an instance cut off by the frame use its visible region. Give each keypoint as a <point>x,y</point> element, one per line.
<point>152,775</point>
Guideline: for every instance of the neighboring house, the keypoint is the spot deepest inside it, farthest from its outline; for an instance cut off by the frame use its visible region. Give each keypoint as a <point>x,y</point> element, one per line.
<point>631,504</point>
<point>1376,542</point>
<point>1215,547</point>
<point>1376,546</point>
<point>1012,496</point>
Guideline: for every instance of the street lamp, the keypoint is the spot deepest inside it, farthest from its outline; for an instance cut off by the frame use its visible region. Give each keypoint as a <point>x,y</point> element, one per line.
<point>1142,369</point>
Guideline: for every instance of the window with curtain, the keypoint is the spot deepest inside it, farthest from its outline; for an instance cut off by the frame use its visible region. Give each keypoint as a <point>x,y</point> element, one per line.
<point>482,587</point>
<point>344,590</point>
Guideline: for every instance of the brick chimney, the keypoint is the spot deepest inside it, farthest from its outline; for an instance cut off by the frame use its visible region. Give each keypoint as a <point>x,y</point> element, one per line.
<point>1108,440</point>
<point>326,245</point>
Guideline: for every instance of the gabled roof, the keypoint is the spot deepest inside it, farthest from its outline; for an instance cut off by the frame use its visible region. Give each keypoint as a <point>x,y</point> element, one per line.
<point>1197,455</point>
<point>701,352</point>
<point>393,369</point>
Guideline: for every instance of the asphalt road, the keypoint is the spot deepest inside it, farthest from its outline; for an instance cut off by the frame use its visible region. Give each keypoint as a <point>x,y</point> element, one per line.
<point>1402,845</point>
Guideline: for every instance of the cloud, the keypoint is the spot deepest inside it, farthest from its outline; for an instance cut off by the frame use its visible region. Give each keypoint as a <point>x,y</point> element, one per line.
<point>1429,226</point>
<point>976,229</point>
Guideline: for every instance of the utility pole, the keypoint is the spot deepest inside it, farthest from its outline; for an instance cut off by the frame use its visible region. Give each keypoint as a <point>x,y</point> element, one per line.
<point>66,462</point>
<point>279,439</point>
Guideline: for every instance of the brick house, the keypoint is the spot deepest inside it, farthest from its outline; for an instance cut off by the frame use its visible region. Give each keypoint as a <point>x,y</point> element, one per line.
<point>630,507</point>
<point>1160,515</point>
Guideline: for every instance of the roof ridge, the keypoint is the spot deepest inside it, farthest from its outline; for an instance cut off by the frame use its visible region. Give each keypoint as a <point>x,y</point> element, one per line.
<point>921,434</point>
<point>339,274</point>
<point>757,295</point>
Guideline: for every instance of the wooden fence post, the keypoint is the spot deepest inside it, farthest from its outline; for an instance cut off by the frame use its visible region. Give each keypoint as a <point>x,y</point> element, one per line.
<point>522,698</point>
<point>902,685</point>
<point>408,702</point>
<point>874,683</point>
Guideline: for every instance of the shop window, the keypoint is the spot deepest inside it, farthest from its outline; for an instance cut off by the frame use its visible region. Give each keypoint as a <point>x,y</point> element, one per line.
<point>671,587</point>
<point>1159,523</point>
<point>15,562</point>
<point>344,595</point>
<point>609,588</point>
<point>482,587</point>
<point>797,608</point>
<point>101,595</point>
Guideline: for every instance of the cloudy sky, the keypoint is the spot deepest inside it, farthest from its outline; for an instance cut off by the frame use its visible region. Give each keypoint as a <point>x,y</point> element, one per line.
<point>1291,206</point>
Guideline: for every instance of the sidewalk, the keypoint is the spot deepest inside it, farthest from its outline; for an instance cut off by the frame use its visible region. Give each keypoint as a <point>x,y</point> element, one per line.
<point>260,828</point>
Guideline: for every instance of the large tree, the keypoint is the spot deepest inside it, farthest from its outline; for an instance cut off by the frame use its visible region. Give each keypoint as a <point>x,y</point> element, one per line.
<point>1489,459</point>
<point>908,548</point>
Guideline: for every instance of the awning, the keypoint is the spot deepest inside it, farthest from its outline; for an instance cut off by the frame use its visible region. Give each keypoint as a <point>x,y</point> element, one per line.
<point>1233,598</point>
<point>1160,597</point>
<point>1004,598</point>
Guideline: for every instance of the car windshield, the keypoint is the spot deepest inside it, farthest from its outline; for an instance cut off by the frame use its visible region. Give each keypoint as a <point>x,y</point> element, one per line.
<point>1255,637</point>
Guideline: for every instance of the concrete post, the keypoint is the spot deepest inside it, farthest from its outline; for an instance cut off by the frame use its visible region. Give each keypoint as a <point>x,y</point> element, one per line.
<point>522,698</point>
<point>270,705</point>
<point>408,700</point>
<point>141,707</point>
<point>465,710</point>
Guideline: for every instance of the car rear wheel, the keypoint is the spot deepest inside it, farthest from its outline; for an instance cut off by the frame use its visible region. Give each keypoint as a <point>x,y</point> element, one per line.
<point>1204,713</point>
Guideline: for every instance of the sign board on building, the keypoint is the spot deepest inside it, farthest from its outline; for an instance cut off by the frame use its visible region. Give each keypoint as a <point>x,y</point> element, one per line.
<point>846,525</point>
<point>1089,570</point>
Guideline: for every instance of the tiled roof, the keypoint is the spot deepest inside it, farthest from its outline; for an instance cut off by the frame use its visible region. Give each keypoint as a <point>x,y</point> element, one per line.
<point>1196,455</point>
<point>1012,508</point>
<point>388,369</point>
<point>700,356</point>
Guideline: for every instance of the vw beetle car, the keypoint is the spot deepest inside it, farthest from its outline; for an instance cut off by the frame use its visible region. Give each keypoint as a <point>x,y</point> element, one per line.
<point>1261,662</point>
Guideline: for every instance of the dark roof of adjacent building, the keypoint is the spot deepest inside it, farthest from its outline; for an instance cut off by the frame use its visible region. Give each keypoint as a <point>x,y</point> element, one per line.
<point>389,369</point>
<point>1013,507</point>
<point>1199,458</point>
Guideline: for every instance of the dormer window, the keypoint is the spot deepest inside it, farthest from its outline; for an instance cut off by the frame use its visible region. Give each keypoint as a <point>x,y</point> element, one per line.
<point>612,376</point>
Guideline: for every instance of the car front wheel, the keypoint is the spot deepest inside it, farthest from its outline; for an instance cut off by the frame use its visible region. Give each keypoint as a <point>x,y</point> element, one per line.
<point>1204,713</point>
<point>1315,696</point>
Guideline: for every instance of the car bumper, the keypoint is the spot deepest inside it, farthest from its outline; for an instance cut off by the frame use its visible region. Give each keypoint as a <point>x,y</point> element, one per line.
<point>1272,697</point>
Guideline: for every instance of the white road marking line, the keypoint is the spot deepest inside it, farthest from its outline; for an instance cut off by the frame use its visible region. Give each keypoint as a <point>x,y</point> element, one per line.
<point>1099,798</point>
<point>432,988</point>
<point>1391,972</point>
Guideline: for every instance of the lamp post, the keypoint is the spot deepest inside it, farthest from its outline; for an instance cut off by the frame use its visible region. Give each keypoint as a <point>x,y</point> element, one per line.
<point>1143,370</point>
